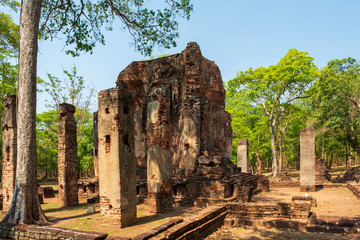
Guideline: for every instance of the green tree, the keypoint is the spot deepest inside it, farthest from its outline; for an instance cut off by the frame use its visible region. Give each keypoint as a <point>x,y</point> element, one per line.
<point>72,89</point>
<point>248,121</point>
<point>336,97</point>
<point>276,87</point>
<point>81,23</point>
<point>47,131</point>
<point>9,41</point>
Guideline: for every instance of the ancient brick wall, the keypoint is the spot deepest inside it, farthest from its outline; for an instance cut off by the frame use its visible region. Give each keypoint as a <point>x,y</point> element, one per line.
<point>67,157</point>
<point>117,166</point>
<point>196,118</point>
<point>9,141</point>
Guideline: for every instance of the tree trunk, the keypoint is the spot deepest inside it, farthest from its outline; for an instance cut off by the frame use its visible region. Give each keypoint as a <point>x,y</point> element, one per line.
<point>322,148</point>
<point>273,149</point>
<point>25,207</point>
<point>331,158</point>
<point>280,151</point>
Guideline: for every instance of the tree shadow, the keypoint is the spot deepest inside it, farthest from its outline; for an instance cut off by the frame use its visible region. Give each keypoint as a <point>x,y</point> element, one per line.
<point>156,217</point>
<point>79,206</point>
<point>56,220</point>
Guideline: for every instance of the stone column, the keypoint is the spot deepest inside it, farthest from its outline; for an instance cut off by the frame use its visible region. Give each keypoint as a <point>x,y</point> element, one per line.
<point>159,161</point>
<point>95,144</point>
<point>307,159</point>
<point>243,155</point>
<point>117,164</point>
<point>9,141</point>
<point>67,157</point>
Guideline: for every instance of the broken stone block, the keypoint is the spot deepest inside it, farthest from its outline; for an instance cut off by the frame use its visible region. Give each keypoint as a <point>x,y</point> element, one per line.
<point>91,210</point>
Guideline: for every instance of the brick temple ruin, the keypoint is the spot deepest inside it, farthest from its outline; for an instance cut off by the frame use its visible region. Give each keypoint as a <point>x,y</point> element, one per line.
<point>181,134</point>
<point>9,141</point>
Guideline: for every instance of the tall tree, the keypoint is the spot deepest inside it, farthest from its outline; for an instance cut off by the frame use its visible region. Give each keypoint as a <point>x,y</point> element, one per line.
<point>25,206</point>
<point>276,87</point>
<point>81,23</point>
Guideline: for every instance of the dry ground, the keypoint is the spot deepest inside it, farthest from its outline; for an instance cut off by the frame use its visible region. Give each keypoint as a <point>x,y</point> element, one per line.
<point>77,218</point>
<point>330,202</point>
<point>250,233</point>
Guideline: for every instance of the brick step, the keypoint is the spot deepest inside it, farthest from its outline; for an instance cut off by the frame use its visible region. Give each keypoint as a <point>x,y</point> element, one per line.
<point>155,231</point>
<point>196,228</point>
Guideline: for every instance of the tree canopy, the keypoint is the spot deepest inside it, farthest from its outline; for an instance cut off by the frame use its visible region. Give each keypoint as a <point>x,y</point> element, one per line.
<point>276,87</point>
<point>82,22</point>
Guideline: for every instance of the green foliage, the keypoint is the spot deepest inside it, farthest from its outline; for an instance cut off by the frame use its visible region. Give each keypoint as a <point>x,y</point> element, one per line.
<point>82,22</point>
<point>71,89</point>
<point>47,131</point>
<point>274,89</point>
<point>9,39</point>
<point>336,105</point>
<point>248,121</point>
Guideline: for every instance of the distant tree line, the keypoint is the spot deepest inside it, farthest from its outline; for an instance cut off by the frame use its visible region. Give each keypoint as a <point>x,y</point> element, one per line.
<point>270,105</point>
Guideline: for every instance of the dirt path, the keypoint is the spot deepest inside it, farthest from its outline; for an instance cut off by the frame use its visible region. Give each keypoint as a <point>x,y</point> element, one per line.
<point>330,201</point>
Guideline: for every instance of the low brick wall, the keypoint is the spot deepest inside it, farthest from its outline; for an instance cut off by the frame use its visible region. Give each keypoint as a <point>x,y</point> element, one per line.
<point>293,210</point>
<point>355,189</point>
<point>24,232</point>
<point>156,231</point>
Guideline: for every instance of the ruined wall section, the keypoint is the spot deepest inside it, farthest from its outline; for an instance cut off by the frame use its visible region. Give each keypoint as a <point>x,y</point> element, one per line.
<point>9,150</point>
<point>67,157</point>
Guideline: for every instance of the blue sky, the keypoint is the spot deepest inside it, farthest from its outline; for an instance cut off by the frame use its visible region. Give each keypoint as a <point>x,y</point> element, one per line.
<point>236,34</point>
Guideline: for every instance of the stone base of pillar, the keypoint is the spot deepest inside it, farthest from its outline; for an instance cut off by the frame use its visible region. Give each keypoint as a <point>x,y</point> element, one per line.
<point>162,201</point>
<point>312,188</point>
